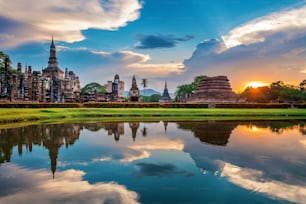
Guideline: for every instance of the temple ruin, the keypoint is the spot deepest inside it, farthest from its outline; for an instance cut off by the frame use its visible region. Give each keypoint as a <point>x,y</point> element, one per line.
<point>214,90</point>
<point>115,90</point>
<point>50,85</point>
<point>134,93</point>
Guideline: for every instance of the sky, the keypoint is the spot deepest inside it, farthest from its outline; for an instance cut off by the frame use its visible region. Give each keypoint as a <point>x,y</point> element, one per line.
<point>170,40</point>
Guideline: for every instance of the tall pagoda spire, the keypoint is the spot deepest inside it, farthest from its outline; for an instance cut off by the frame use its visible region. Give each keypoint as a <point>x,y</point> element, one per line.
<point>166,93</point>
<point>52,43</point>
<point>165,97</point>
<point>52,59</point>
<point>134,83</point>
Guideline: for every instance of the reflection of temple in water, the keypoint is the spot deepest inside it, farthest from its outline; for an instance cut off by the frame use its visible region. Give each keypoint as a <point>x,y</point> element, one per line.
<point>115,129</point>
<point>212,132</point>
<point>52,137</point>
<point>134,127</point>
<point>218,132</point>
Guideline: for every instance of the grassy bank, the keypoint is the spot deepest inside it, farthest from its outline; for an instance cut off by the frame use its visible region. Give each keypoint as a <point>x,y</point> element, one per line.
<point>9,115</point>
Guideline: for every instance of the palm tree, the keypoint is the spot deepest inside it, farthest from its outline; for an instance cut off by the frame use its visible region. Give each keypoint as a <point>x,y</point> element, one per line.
<point>144,83</point>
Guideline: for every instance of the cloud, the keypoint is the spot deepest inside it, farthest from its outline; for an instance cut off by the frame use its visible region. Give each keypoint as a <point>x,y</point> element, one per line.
<point>279,57</point>
<point>291,21</point>
<point>65,19</point>
<point>254,180</point>
<point>160,170</point>
<point>159,41</point>
<point>269,49</point>
<point>102,66</point>
<point>67,186</point>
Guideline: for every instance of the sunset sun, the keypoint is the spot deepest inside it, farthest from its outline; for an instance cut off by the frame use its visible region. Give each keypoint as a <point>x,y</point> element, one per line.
<point>256,84</point>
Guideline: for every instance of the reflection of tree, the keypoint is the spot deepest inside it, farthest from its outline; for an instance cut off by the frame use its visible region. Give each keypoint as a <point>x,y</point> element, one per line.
<point>218,132</point>
<point>115,129</point>
<point>94,127</point>
<point>165,125</point>
<point>212,132</point>
<point>144,131</point>
<point>279,126</point>
<point>302,128</point>
<point>134,127</point>
<point>51,137</point>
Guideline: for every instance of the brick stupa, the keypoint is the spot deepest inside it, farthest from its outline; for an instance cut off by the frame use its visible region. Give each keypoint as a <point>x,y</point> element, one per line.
<point>214,89</point>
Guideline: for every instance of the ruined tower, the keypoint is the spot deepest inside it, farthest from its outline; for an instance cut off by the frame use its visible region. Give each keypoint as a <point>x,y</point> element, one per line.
<point>134,93</point>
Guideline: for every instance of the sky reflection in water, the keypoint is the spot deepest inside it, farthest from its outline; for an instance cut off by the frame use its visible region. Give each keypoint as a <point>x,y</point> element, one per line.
<point>194,162</point>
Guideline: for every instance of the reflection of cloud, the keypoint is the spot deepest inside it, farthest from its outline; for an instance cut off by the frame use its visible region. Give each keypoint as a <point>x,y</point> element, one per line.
<point>129,157</point>
<point>254,180</point>
<point>161,144</point>
<point>38,187</point>
<point>303,142</point>
<point>160,170</point>
<point>139,151</point>
<point>65,19</point>
<point>102,159</point>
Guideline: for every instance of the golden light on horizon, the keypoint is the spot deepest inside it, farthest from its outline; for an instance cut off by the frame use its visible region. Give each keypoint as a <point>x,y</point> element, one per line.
<point>256,84</point>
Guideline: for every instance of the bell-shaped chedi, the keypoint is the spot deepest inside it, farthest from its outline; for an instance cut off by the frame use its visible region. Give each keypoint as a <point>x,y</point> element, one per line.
<point>214,89</point>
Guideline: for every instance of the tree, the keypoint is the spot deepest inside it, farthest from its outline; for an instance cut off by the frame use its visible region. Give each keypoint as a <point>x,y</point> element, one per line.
<point>188,89</point>
<point>144,83</point>
<point>289,93</point>
<point>275,89</point>
<point>303,85</point>
<point>93,87</point>
<point>3,56</point>
<point>258,95</point>
<point>155,97</point>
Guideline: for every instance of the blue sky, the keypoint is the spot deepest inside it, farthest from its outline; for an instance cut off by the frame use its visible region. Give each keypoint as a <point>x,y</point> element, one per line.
<point>171,40</point>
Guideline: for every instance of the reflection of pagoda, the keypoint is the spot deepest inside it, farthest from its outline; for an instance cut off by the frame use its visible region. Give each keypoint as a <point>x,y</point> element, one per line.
<point>134,127</point>
<point>115,129</point>
<point>51,137</point>
<point>212,132</point>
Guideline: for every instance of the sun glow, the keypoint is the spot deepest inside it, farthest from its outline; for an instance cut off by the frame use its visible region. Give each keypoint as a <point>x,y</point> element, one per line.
<point>256,84</point>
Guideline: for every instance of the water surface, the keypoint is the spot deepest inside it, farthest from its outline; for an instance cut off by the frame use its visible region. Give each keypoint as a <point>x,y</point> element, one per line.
<point>161,162</point>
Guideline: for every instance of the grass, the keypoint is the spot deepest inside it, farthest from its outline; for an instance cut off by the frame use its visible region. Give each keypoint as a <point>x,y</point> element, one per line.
<point>9,115</point>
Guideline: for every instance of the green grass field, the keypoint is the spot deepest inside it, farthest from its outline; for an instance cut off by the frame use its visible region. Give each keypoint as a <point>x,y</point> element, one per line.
<point>11,115</point>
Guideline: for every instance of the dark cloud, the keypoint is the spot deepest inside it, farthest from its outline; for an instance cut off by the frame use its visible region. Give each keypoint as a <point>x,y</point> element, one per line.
<point>160,41</point>
<point>9,25</point>
<point>209,53</point>
<point>160,170</point>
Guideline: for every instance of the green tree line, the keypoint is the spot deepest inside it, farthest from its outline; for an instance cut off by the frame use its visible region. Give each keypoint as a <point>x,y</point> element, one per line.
<point>275,92</point>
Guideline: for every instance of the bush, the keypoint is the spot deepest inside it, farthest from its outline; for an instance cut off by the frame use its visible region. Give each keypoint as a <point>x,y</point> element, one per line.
<point>253,105</point>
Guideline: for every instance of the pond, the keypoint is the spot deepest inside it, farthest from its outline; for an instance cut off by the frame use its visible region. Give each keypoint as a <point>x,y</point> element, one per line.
<point>154,162</point>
